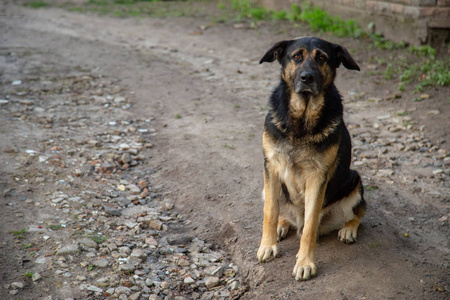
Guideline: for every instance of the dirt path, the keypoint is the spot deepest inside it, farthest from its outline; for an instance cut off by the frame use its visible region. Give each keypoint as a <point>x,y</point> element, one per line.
<point>208,95</point>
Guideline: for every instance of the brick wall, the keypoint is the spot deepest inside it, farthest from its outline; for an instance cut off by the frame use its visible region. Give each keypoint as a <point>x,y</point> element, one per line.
<point>413,21</point>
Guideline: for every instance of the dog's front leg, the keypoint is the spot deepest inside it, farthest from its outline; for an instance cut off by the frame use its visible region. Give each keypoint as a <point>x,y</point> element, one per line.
<point>305,267</point>
<point>269,243</point>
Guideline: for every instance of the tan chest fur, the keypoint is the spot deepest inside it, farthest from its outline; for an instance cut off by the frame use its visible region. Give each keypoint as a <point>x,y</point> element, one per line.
<point>295,164</point>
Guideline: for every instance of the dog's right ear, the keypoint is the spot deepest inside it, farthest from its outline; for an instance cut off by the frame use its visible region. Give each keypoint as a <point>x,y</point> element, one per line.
<point>275,52</point>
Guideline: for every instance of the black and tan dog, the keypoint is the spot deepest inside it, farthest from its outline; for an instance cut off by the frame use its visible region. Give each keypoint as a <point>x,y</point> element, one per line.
<point>308,183</point>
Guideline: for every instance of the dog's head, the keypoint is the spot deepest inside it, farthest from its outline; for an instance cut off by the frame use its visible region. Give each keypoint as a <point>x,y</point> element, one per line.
<point>309,64</point>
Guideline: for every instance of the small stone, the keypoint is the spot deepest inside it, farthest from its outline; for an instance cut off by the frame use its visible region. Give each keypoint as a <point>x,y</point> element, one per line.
<point>41,260</point>
<point>94,289</point>
<point>438,171</point>
<point>155,224</point>
<point>135,296</point>
<point>36,276</point>
<point>211,282</point>
<point>134,189</point>
<point>126,158</point>
<point>218,272</point>
<point>16,82</point>
<point>124,147</point>
<point>17,285</point>
<point>123,290</point>
<point>139,253</point>
<point>94,143</point>
<point>127,268</point>
<point>70,249</point>
<point>189,280</point>
<point>234,285</point>
<point>13,292</point>
<point>26,102</point>
<point>88,243</point>
<point>110,291</point>
<point>111,211</point>
<point>151,241</point>
<point>100,263</point>
<point>3,102</point>
<point>165,285</point>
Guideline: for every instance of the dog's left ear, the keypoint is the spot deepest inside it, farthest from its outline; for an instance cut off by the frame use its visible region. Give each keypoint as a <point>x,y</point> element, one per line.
<point>344,57</point>
<point>275,52</point>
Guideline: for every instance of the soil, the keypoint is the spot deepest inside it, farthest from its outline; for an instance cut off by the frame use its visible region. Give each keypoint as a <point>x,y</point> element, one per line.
<point>206,95</point>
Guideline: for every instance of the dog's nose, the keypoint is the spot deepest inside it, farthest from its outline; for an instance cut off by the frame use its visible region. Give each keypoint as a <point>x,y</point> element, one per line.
<point>307,77</point>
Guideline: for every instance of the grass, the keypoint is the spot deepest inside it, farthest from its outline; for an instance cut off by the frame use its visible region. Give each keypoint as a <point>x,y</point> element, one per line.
<point>98,238</point>
<point>36,4</point>
<point>54,227</point>
<point>19,233</point>
<point>28,274</point>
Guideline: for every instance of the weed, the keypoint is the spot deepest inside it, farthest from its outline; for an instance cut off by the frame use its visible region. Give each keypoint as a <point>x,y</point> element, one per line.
<point>54,227</point>
<point>98,238</point>
<point>36,4</point>
<point>28,246</point>
<point>403,113</point>
<point>370,187</point>
<point>380,42</point>
<point>20,233</point>
<point>237,106</point>
<point>90,267</point>
<point>426,51</point>
<point>389,72</point>
<point>229,146</point>
<point>177,116</point>
<point>28,274</point>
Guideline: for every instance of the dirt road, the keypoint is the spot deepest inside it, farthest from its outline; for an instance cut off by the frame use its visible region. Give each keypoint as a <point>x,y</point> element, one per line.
<point>206,95</point>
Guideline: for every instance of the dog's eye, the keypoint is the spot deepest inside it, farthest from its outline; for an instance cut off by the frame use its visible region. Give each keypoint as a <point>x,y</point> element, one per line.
<point>322,58</point>
<point>298,57</point>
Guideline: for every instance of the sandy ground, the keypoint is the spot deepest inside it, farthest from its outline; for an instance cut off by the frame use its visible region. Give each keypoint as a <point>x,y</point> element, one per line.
<point>207,95</point>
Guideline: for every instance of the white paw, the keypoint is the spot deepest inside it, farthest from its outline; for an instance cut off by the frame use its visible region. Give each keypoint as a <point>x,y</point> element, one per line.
<point>267,251</point>
<point>304,270</point>
<point>282,232</point>
<point>348,235</point>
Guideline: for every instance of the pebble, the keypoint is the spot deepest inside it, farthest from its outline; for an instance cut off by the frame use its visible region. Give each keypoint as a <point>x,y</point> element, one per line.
<point>70,249</point>
<point>94,289</point>
<point>211,282</point>
<point>100,263</point>
<point>18,285</point>
<point>127,268</point>
<point>36,276</point>
<point>123,290</point>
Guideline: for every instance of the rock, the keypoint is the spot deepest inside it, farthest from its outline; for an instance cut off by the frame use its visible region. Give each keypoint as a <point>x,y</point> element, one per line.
<point>151,241</point>
<point>135,296</point>
<point>36,277</point>
<point>143,184</point>
<point>111,211</point>
<point>17,285</point>
<point>189,280</point>
<point>88,243</point>
<point>155,224</point>
<point>211,282</point>
<point>218,272</point>
<point>70,249</point>
<point>126,158</point>
<point>110,291</point>
<point>94,289</point>
<point>134,189</point>
<point>41,260</point>
<point>165,285</point>
<point>127,268</point>
<point>123,290</point>
<point>139,253</point>
<point>16,82</point>
<point>101,263</point>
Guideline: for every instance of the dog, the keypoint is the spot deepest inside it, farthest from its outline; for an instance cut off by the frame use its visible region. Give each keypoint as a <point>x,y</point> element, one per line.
<point>308,183</point>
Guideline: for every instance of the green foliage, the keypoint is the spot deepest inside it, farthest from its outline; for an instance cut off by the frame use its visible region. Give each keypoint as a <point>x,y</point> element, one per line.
<point>54,227</point>
<point>19,233</point>
<point>36,4</point>
<point>425,51</point>
<point>380,42</point>
<point>98,238</point>
<point>28,274</point>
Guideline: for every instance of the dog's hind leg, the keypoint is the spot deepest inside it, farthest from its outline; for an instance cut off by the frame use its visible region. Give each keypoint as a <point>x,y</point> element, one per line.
<point>357,204</point>
<point>283,228</point>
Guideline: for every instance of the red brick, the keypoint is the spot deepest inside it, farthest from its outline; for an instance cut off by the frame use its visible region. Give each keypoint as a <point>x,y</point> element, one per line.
<point>396,8</point>
<point>443,12</point>
<point>372,5</point>
<point>443,3</point>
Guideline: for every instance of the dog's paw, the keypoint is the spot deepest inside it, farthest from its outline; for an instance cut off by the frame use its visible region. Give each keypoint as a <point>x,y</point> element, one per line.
<point>266,251</point>
<point>304,270</point>
<point>348,234</point>
<point>282,230</point>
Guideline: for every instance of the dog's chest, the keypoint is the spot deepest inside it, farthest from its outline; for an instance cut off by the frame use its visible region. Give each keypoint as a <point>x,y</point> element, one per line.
<point>294,167</point>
